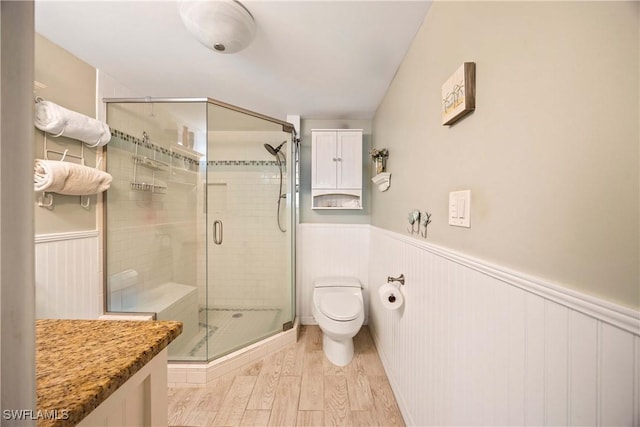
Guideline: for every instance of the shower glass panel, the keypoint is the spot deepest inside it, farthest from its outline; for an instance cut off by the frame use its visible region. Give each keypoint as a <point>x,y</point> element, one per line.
<point>191,222</point>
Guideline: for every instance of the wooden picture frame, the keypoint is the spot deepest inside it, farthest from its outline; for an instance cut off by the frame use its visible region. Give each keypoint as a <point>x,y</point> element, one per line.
<point>459,94</point>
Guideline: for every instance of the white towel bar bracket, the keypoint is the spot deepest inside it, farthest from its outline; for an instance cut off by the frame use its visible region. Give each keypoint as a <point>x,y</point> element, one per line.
<point>45,200</point>
<point>85,202</point>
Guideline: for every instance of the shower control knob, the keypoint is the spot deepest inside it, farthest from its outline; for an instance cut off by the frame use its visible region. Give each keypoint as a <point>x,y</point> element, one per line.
<point>392,298</point>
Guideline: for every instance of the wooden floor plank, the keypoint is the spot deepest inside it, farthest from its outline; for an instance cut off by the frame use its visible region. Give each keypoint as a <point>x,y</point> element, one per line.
<point>336,401</point>
<point>365,419</point>
<point>310,419</point>
<point>360,396</point>
<point>251,369</point>
<point>235,402</point>
<point>285,404</point>
<point>312,389</point>
<point>363,341</point>
<point>292,363</point>
<point>199,418</point>
<point>183,404</point>
<point>371,363</point>
<point>255,418</point>
<point>313,339</point>
<point>215,392</point>
<point>329,368</point>
<point>265,388</point>
<point>384,402</point>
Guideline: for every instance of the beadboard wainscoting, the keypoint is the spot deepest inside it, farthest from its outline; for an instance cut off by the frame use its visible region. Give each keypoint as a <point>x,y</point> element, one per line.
<point>68,284</point>
<point>330,250</point>
<point>476,344</point>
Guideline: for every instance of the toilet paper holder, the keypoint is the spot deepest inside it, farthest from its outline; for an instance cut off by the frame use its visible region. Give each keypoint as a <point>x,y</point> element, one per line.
<point>396,279</point>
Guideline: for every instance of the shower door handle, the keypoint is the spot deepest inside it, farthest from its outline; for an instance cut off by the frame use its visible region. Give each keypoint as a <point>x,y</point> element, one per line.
<point>217,232</point>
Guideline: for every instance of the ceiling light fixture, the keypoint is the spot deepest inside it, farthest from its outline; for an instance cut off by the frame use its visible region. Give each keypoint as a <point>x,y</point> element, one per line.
<point>225,26</point>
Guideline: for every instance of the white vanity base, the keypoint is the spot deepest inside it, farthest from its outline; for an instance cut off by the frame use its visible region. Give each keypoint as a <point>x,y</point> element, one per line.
<point>141,401</point>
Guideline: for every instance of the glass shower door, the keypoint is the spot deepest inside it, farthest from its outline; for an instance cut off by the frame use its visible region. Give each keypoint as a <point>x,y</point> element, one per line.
<point>249,221</point>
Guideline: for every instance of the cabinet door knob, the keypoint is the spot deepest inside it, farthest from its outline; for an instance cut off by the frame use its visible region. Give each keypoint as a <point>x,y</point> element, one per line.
<point>335,159</point>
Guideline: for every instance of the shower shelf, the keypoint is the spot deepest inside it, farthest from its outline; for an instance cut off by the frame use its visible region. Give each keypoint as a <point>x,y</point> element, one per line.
<point>150,163</point>
<point>143,186</point>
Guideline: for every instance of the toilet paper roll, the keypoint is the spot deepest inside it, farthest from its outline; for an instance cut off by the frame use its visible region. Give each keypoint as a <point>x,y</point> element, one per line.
<point>390,296</point>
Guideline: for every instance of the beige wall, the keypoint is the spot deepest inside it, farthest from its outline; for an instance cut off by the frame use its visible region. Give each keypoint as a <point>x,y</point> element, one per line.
<point>551,154</point>
<point>70,83</point>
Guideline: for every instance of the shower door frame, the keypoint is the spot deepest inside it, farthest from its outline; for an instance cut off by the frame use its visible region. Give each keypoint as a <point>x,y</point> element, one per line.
<point>292,189</point>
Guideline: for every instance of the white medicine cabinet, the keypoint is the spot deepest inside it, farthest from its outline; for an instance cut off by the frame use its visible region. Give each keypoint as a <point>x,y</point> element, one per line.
<point>336,169</point>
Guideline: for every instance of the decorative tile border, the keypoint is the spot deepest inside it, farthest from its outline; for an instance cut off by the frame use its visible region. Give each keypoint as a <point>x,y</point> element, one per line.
<point>166,151</point>
<point>242,163</point>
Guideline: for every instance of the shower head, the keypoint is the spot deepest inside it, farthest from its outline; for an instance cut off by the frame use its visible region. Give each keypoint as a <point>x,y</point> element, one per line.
<point>274,151</point>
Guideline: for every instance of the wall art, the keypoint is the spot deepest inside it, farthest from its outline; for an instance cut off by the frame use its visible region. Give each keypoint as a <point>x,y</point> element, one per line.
<point>459,94</point>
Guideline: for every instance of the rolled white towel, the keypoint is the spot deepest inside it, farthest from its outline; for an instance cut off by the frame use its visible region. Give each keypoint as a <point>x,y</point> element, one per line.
<point>69,178</point>
<point>57,120</point>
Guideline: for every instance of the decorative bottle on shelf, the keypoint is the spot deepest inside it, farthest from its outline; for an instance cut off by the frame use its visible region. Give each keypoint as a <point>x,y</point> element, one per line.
<point>380,164</point>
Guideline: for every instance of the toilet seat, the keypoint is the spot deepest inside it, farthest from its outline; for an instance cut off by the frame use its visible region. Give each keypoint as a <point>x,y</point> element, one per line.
<point>340,306</point>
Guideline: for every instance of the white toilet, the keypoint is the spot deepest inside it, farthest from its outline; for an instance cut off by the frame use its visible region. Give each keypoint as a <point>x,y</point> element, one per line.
<point>339,310</point>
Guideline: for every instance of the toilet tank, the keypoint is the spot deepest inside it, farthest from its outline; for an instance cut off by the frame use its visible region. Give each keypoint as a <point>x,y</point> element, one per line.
<point>336,282</point>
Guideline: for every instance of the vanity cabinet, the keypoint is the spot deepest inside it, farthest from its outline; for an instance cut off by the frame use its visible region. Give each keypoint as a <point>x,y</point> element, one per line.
<point>102,372</point>
<point>336,165</point>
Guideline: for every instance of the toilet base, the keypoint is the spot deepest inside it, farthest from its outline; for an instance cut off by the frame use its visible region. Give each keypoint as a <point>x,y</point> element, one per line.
<point>340,352</point>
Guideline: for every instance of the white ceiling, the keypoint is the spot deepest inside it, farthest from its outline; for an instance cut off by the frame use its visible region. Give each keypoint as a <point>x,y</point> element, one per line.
<point>318,59</point>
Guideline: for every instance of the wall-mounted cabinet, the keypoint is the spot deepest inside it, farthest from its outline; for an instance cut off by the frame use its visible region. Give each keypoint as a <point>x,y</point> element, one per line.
<point>336,169</point>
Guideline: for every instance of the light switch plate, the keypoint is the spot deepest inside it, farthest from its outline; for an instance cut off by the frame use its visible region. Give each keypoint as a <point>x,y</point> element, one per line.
<point>460,208</point>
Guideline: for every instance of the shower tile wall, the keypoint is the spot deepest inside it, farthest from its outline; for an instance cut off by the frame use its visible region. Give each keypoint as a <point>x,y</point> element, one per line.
<point>247,269</point>
<point>152,233</point>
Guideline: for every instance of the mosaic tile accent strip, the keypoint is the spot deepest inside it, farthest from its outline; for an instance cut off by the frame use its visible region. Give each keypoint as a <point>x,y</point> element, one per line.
<point>242,163</point>
<point>133,140</point>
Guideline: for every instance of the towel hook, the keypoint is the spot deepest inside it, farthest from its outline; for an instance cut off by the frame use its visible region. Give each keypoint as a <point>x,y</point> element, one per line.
<point>58,134</point>
<point>85,202</point>
<point>45,200</point>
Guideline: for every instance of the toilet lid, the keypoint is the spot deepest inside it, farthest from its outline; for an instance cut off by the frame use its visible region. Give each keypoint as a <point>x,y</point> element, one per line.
<point>340,306</point>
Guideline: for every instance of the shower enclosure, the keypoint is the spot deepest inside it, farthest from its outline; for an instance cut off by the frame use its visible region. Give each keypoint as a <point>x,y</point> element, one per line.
<point>200,221</point>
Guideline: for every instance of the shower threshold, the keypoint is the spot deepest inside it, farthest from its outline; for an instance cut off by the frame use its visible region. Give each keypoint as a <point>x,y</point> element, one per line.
<point>223,330</point>
<point>194,374</point>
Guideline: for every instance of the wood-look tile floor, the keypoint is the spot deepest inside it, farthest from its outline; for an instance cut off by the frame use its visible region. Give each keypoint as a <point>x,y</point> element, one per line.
<point>296,386</point>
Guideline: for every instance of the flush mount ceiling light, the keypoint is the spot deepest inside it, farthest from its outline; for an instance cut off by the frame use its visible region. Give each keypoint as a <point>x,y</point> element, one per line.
<point>225,26</point>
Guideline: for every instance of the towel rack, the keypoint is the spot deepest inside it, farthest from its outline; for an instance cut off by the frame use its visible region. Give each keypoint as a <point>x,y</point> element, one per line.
<point>46,199</point>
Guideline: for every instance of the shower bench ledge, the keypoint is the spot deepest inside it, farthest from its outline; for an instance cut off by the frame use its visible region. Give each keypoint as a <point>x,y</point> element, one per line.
<point>90,371</point>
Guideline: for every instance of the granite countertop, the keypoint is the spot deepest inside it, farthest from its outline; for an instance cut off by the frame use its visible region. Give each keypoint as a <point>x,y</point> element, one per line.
<point>79,363</point>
